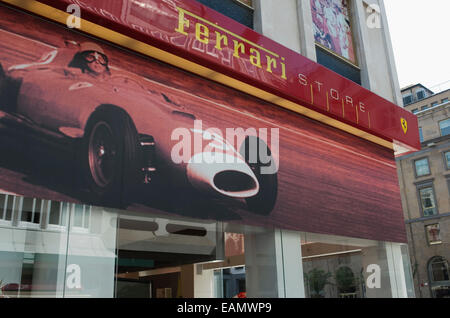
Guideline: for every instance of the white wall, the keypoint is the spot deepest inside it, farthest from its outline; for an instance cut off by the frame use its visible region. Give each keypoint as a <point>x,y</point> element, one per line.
<point>278,21</point>
<point>203,282</point>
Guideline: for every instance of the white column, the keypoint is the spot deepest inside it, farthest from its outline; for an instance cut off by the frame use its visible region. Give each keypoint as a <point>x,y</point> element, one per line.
<point>292,264</point>
<point>203,282</point>
<point>361,41</point>
<point>278,21</point>
<point>305,24</point>
<point>390,57</point>
<point>396,272</point>
<point>374,49</point>
<point>273,265</point>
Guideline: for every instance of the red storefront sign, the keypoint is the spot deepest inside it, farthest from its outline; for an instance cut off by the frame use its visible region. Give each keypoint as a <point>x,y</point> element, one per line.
<point>199,39</point>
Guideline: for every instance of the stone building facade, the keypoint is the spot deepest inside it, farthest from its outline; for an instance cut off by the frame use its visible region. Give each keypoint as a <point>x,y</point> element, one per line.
<point>424,178</point>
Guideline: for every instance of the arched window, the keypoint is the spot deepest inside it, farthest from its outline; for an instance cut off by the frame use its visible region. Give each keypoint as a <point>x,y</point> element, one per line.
<point>439,277</point>
<point>438,268</point>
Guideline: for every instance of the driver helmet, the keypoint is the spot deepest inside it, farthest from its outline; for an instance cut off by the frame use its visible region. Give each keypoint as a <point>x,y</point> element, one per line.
<point>87,54</point>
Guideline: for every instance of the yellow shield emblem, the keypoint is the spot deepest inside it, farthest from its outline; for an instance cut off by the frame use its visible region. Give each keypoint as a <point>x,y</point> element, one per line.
<point>404,125</point>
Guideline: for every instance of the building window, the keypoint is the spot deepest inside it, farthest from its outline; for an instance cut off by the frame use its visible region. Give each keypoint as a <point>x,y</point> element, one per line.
<point>439,269</point>
<point>439,277</point>
<point>58,213</point>
<point>415,110</point>
<point>420,95</point>
<point>7,203</point>
<point>81,217</point>
<point>445,100</point>
<point>424,107</point>
<point>444,126</point>
<point>422,167</point>
<point>330,61</point>
<point>428,202</point>
<point>333,36</point>
<point>407,100</point>
<point>332,28</point>
<point>32,209</point>
<point>241,11</point>
<point>433,234</point>
<point>447,159</point>
<point>434,104</point>
<point>420,134</point>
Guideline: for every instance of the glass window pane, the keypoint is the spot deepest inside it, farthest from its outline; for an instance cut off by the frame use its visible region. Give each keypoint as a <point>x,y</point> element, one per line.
<point>218,284</point>
<point>237,10</point>
<point>447,159</point>
<point>422,167</point>
<point>2,206</point>
<point>55,213</point>
<point>420,134</point>
<point>9,207</point>
<point>78,215</point>
<point>337,268</point>
<point>28,266</point>
<point>407,100</point>
<point>65,209</point>
<point>39,208</point>
<point>87,216</point>
<point>420,95</point>
<point>439,270</point>
<point>445,127</point>
<point>428,203</point>
<point>407,269</point>
<point>27,209</point>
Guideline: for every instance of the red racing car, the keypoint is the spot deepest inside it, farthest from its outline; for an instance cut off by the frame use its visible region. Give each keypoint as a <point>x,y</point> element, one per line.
<point>125,123</point>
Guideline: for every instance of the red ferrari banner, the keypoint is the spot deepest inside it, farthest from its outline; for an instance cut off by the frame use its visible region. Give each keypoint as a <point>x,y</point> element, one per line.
<point>84,121</point>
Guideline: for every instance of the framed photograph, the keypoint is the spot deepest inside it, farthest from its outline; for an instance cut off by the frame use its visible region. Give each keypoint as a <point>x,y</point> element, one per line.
<point>332,27</point>
<point>433,234</point>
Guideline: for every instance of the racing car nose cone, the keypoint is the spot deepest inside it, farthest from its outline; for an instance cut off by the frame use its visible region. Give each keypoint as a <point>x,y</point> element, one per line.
<point>222,173</point>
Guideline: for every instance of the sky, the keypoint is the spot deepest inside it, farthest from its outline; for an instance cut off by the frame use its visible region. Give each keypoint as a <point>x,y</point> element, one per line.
<point>420,35</point>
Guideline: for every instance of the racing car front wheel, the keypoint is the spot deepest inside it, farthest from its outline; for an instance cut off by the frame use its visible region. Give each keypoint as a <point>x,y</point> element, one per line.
<point>110,157</point>
<point>258,156</point>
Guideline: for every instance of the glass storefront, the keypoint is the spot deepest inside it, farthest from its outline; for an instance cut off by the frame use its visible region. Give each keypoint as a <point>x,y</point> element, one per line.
<point>336,267</point>
<point>54,249</point>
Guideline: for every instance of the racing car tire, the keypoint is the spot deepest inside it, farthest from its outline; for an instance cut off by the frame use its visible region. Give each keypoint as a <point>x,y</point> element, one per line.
<point>110,162</point>
<point>2,86</point>
<point>264,201</point>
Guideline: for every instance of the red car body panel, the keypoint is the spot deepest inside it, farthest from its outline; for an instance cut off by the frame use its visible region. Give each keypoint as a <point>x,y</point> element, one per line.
<point>62,99</point>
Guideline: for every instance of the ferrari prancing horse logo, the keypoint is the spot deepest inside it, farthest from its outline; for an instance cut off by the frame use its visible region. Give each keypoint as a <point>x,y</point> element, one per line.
<point>404,125</point>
